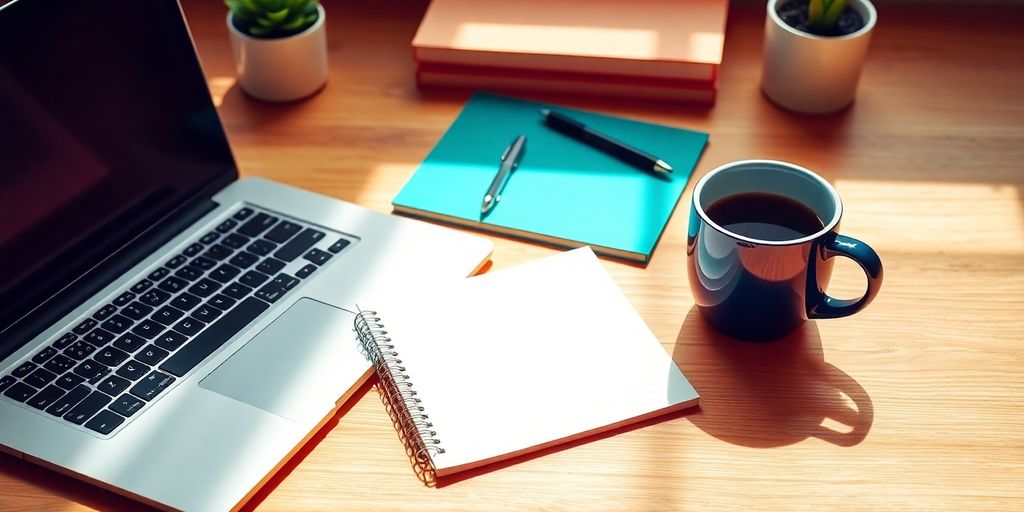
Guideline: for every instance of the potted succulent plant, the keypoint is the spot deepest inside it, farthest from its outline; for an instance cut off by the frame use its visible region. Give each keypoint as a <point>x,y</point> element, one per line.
<point>814,51</point>
<point>280,47</point>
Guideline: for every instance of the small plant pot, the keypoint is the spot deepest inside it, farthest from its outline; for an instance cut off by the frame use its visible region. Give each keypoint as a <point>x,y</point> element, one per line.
<point>285,68</point>
<point>811,73</point>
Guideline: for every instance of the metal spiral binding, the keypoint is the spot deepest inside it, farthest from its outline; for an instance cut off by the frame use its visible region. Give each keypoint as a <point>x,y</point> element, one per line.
<point>404,407</point>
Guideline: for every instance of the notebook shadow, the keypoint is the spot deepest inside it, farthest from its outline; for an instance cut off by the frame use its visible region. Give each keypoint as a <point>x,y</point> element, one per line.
<point>771,394</point>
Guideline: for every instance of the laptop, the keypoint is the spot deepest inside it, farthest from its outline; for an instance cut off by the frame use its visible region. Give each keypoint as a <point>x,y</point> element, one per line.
<point>168,331</point>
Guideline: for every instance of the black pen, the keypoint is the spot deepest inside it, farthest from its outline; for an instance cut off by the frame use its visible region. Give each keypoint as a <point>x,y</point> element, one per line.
<point>509,161</point>
<point>583,133</point>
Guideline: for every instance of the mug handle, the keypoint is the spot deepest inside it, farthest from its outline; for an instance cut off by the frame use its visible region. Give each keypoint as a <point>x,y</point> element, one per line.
<point>867,258</point>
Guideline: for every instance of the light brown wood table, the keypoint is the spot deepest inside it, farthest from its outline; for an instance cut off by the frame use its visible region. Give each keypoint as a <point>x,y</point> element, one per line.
<point>913,404</point>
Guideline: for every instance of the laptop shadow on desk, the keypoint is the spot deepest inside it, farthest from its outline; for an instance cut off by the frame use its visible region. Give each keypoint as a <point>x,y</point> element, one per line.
<point>777,393</point>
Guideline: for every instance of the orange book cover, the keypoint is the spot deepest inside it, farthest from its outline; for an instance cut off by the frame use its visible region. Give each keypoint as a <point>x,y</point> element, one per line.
<point>676,39</point>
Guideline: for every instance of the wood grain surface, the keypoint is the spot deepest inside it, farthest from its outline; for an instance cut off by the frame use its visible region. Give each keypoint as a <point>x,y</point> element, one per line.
<point>913,404</point>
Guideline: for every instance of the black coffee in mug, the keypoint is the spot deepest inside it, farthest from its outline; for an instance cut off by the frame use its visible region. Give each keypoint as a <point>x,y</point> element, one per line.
<point>764,216</point>
<point>759,249</point>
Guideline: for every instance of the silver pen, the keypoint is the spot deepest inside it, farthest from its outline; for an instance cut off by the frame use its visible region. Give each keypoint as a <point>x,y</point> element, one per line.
<point>509,161</point>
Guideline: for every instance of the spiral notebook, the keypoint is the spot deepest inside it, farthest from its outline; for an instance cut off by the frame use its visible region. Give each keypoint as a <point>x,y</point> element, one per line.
<point>511,362</point>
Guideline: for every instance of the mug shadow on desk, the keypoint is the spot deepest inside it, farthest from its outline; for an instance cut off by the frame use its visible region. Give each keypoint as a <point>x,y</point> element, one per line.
<point>771,394</point>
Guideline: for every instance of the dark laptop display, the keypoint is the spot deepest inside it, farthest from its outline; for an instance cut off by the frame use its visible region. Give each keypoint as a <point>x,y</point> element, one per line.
<point>95,146</point>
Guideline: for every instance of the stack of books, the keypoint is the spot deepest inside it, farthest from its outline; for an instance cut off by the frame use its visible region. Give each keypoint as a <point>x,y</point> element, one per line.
<point>662,49</point>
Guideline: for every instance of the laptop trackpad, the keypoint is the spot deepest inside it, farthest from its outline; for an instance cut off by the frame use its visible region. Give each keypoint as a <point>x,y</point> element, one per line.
<point>298,366</point>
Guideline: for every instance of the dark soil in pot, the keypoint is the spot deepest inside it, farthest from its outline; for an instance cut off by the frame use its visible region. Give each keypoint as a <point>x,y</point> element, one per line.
<point>794,13</point>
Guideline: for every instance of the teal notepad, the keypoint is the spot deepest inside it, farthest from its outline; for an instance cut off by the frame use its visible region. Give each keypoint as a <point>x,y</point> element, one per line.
<point>564,192</point>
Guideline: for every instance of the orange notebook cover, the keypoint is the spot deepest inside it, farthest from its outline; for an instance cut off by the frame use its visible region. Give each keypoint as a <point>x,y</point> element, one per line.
<point>677,39</point>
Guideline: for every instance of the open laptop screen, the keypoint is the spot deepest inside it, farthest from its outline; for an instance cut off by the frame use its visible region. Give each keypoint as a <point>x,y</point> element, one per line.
<point>106,125</point>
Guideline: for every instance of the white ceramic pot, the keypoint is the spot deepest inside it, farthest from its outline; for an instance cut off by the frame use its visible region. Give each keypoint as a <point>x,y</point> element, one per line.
<point>810,73</point>
<point>281,69</point>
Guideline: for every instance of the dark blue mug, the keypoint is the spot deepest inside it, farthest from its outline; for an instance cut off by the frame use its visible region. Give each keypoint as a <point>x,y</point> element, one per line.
<point>765,288</point>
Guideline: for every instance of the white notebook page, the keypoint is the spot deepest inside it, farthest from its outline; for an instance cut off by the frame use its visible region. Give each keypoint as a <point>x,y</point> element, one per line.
<point>528,357</point>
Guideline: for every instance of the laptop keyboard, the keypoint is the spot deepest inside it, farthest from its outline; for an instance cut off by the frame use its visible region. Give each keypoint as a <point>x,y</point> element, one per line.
<point>128,352</point>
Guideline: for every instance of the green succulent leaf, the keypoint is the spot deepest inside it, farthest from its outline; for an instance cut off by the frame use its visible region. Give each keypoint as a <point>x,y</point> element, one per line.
<point>273,18</point>
<point>833,11</point>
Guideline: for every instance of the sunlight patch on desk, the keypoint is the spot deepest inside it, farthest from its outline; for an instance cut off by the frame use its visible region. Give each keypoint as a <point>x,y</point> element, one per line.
<point>381,183</point>
<point>219,87</point>
<point>895,215</point>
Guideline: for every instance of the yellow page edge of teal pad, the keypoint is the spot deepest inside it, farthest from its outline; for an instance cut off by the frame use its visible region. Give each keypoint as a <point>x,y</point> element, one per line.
<point>562,187</point>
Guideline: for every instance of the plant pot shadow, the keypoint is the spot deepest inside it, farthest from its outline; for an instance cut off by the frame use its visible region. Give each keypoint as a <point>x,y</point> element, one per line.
<point>770,394</point>
<point>256,112</point>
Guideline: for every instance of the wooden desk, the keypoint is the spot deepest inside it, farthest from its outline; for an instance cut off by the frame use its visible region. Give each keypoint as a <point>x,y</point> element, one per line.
<point>913,404</point>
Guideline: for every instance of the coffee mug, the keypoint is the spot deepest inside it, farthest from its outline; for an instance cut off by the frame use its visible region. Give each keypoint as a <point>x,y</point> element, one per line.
<point>759,249</point>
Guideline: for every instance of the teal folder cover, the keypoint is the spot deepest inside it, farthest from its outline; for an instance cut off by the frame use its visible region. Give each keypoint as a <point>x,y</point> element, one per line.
<point>564,192</point>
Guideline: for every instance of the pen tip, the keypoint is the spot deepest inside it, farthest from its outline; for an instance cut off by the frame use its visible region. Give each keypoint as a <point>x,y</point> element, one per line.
<point>662,166</point>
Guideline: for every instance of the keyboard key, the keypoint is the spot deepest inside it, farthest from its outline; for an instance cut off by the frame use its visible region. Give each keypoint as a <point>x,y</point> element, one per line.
<point>221,302</point>
<point>235,241</point>
<point>127,405</point>
<point>226,226</point>
<point>237,290</point>
<point>79,350</point>
<point>282,232</point>
<point>336,247</point>
<point>158,274</point>
<point>270,292</point>
<point>305,271</point>
<point>88,369</point>
<point>189,326</point>
<point>137,310</point>
<point>25,369</point>
<point>104,371</point>
<point>6,382</point>
<point>253,278</point>
<point>218,252</point>
<point>67,339</point>
<point>151,386</point>
<point>186,301</point>
<point>40,378</point>
<point>209,238</point>
<point>204,288</point>
<point>59,364</point>
<point>85,326</point>
<point>133,370</point>
<point>104,312</point>
<point>224,273</point>
<point>148,329</point>
<point>110,356</point>
<point>285,281</point>
<point>130,343</point>
<point>242,214</point>
<point>170,340</point>
<point>188,272</point>
<point>68,381</point>
<point>206,313</point>
<point>154,297</point>
<point>99,337</point>
<point>317,256</point>
<point>270,266</point>
<point>203,264</point>
<point>192,250</point>
<point>214,337</point>
<point>114,385</point>
<point>244,259</point>
<point>63,405</point>
<point>175,284</point>
<point>151,355</point>
<point>20,392</point>
<point>176,261</point>
<point>261,247</point>
<point>105,422</point>
<point>142,286</point>
<point>46,397</point>
<point>256,225</point>
<point>117,324</point>
<point>44,355</point>
<point>299,244</point>
<point>167,315</point>
<point>87,408</point>
<point>123,299</point>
